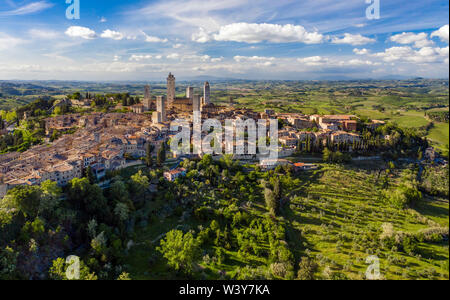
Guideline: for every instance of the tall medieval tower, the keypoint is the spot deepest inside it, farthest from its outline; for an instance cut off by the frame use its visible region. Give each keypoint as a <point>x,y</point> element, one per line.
<point>206,94</point>
<point>161,108</point>
<point>147,98</point>
<point>170,89</point>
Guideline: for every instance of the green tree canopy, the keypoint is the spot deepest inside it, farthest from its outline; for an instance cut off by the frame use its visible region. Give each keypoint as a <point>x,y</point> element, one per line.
<point>180,250</point>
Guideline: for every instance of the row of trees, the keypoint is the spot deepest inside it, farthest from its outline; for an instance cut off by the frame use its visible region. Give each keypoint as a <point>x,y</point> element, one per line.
<point>438,116</point>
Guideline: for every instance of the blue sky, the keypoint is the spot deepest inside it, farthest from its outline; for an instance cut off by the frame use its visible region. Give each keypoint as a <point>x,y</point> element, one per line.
<point>252,39</point>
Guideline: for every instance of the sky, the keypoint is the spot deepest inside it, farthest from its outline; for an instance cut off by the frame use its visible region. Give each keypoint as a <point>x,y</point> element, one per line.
<point>144,40</point>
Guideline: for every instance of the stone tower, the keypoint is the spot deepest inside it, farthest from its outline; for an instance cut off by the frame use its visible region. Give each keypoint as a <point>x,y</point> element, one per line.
<point>147,98</point>
<point>190,93</point>
<point>161,108</point>
<point>196,103</point>
<point>147,92</point>
<point>207,94</point>
<point>170,89</point>
<point>156,117</point>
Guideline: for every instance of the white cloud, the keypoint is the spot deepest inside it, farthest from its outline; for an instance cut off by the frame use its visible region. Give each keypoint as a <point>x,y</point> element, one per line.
<point>7,41</point>
<point>352,39</point>
<point>31,8</point>
<point>265,64</point>
<point>110,34</point>
<point>442,33</point>
<point>216,59</point>
<point>419,40</point>
<point>154,39</point>
<point>203,58</point>
<point>201,36</point>
<point>58,56</point>
<point>363,51</point>
<point>22,68</point>
<point>177,46</point>
<point>187,13</point>
<point>407,54</point>
<point>136,57</point>
<point>43,34</point>
<point>103,20</point>
<point>358,62</point>
<point>273,33</point>
<point>253,58</point>
<point>116,58</point>
<point>313,60</point>
<point>442,51</point>
<point>81,32</point>
<point>173,56</point>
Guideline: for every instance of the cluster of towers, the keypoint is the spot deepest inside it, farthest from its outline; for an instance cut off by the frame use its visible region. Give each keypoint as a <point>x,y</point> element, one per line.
<point>171,96</point>
<point>192,102</point>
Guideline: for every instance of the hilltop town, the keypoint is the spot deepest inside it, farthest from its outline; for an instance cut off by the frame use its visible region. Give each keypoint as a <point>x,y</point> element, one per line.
<point>112,141</point>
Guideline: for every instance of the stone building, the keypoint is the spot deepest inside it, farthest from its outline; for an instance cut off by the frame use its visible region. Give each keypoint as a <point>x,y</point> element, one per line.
<point>138,108</point>
<point>156,117</point>
<point>161,108</point>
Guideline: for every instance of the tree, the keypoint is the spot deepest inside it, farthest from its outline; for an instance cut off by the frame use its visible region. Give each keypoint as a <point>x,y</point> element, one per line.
<point>25,199</point>
<point>180,250</point>
<point>214,226</point>
<point>409,245</point>
<point>326,155</point>
<point>89,174</point>
<point>298,148</point>
<point>99,243</point>
<point>50,197</point>
<point>405,193</point>
<point>149,157</point>
<point>124,276</point>
<point>227,161</point>
<point>122,211</point>
<point>206,161</point>
<point>59,268</point>
<point>139,183</point>
<point>89,197</point>
<point>8,263</point>
<point>307,268</point>
<point>119,191</point>
<point>271,202</point>
<point>277,189</point>
<point>161,155</point>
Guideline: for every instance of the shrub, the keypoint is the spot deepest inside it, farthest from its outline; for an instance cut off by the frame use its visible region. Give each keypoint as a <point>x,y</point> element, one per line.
<point>307,268</point>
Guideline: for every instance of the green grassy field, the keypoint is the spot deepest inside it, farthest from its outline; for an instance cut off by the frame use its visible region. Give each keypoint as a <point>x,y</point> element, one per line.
<point>440,134</point>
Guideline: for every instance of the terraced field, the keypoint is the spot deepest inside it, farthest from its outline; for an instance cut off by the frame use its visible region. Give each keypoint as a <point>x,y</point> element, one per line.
<point>342,205</point>
<point>334,215</point>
